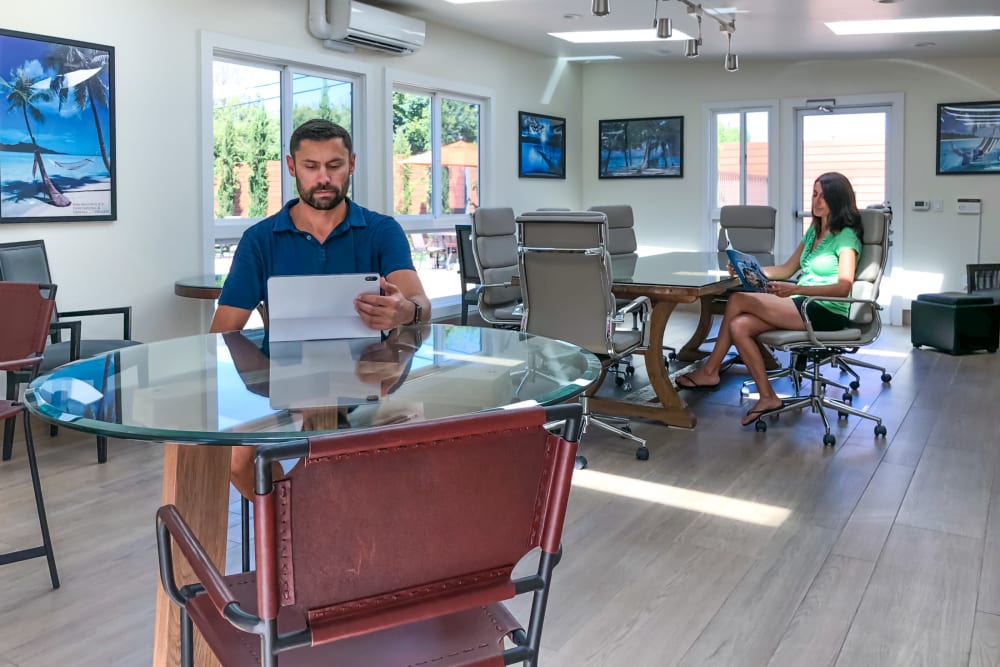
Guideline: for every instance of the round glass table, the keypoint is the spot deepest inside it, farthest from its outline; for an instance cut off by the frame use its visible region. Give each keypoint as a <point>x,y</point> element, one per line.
<point>239,389</point>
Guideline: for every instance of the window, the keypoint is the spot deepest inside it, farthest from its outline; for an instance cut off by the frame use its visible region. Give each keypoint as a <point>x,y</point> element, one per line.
<point>437,157</point>
<point>741,158</point>
<point>256,102</point>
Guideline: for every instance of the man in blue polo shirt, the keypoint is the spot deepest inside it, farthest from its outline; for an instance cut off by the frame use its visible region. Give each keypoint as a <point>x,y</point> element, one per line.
<point>324,232</point>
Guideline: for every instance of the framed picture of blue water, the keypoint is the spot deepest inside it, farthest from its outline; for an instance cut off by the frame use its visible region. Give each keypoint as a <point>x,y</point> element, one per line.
<point>542,146</point>
<point>968,138</point>
<point>57,129</point>
<point>641,148</point>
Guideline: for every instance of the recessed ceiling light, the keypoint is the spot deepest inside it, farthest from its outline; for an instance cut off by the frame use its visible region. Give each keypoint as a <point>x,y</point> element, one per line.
<point>571,17</point>
<point>896,26</point>
<point>615,36</point>
<point>587,59</point>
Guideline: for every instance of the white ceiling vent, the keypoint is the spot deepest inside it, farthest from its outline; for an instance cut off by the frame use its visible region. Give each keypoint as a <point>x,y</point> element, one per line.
<point>350,24</point>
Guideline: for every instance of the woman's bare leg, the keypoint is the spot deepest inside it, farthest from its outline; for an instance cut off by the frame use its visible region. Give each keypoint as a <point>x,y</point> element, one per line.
<point>771,312</point>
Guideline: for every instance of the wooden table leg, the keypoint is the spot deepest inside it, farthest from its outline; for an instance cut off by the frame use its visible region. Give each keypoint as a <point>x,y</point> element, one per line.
<point>196,480</point>
<point>672,410</point>
<point>689,351</point>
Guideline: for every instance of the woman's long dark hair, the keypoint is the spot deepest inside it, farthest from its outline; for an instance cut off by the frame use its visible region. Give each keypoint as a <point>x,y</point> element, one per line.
<point>839,196</point>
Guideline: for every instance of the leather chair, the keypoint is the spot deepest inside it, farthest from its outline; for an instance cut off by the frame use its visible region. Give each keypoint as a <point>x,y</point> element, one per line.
<point>818,347</point>
<point>494,247</point>
<point>26,313</point>
<point>467,270</point>
<point>392,546</point>
<point>566,283</point>
<point>27,261</point>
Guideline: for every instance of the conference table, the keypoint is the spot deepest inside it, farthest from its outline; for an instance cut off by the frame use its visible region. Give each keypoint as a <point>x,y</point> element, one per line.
<point>203,394</point>
<point>667,279</point>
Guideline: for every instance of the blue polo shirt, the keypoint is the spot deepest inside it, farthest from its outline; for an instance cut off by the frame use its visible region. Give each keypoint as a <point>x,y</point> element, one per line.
<point>365,242</point>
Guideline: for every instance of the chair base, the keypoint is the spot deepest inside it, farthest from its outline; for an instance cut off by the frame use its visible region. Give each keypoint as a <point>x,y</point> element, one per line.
<point>641,452</point>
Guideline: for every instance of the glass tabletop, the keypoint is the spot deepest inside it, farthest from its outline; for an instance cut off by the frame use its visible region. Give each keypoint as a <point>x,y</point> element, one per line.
<point>238,388</point>
<point>680,269</point>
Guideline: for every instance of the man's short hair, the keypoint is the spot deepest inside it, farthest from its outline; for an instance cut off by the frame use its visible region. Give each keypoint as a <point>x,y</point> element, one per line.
<point>319,129</point>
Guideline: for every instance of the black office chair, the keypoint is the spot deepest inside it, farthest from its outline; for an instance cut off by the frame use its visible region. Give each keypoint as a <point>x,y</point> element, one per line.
<point>467,270</point>
<point>27,261</point>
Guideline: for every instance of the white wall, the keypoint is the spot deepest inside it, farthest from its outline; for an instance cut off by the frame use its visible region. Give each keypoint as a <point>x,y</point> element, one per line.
<point>671,212</point>
<point>158,235</point>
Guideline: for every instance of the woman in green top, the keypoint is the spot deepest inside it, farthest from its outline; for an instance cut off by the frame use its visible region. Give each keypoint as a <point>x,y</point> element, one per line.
<point>827,257</point>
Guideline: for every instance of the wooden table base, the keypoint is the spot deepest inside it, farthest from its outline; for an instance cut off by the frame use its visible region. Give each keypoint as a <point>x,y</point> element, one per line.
<point>196,480</point>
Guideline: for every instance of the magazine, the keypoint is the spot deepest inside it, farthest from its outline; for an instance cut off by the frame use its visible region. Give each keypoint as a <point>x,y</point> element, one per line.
<point>748,270</point>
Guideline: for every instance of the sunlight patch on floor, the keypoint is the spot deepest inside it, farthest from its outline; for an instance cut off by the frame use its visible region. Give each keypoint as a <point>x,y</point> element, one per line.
<point>673,496</point>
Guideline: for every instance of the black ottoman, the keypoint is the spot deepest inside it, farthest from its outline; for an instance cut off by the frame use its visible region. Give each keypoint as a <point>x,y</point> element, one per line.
<point>955,322</point>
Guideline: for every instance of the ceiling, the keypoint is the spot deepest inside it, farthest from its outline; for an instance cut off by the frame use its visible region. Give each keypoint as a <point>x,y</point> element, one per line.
<point>765,29</point>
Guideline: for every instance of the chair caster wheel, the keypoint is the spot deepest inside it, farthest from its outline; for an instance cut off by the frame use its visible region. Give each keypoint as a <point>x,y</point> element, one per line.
<point>630,370</point>
<point>619,380</point>
<point>642,453</point>
<point>847,398</point>
<point>886,378</point>
<point>841,415</point>
<point>760,426</point>
<point>880,430</point>
<point>855,385</point>
<point>626,428</point>
<point>829,440</point>
<point>581,462</point>
<point>673,356</point>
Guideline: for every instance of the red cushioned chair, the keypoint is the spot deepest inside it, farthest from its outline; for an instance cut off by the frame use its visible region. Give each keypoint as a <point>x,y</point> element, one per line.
<point>25,313</point>
<point>389,546</point>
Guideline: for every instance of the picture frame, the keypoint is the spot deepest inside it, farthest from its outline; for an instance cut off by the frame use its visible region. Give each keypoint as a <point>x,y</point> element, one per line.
<point>541,146</point>
<point>641,147</point>
<point>968,138</point>
<point>57,129</point>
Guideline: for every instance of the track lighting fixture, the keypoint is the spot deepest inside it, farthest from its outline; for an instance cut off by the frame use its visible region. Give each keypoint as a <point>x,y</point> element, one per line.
<point>600,8</point>
<point>732,60</point>
<point>664,28</point>
<point>693,47</point>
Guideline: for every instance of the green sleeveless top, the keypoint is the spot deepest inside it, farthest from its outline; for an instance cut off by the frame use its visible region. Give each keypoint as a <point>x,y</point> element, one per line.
<point>820,264</point>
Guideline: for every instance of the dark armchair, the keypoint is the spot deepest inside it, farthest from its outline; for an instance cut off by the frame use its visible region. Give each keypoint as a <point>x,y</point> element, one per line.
<point>27,261</point>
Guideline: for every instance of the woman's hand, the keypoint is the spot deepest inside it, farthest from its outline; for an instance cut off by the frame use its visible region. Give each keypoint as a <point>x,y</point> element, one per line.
<point>782,288</point>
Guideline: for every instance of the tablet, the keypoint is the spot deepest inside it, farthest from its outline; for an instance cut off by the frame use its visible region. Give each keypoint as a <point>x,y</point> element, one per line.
<point>318,307</point>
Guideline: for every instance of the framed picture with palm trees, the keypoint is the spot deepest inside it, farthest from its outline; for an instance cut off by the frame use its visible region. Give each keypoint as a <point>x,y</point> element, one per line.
<point>57,129</point>
<point>641,148</point>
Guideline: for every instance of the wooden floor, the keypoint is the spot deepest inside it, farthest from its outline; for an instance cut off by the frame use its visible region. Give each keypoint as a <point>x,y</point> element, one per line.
<point>727,547</point>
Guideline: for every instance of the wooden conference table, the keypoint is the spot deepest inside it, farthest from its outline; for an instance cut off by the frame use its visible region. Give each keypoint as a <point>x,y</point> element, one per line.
<point>218,390</point>
<point>667,279</point>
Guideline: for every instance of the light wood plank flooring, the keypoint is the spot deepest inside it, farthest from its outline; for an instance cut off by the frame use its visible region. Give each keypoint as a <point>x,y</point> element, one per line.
<point>730,547</point>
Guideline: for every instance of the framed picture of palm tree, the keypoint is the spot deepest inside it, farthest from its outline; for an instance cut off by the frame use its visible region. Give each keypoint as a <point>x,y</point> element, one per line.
<point>57,129</point>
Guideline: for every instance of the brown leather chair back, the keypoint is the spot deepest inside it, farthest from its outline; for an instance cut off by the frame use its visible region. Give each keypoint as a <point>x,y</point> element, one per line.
<point>25,312</point>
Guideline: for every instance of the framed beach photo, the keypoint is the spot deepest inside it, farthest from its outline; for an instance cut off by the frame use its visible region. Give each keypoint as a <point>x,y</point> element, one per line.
<point>968,138</point>
<point>57,129</point>
<point>541,146</point>
<point>641,148</point>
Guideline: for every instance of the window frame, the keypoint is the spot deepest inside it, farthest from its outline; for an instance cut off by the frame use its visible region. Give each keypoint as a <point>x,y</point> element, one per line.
<point>408,82</point>
<point>711,113</point>
<point>242,51</point>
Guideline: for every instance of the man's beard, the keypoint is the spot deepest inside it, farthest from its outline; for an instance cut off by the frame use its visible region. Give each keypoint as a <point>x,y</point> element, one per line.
<point>309,197</point>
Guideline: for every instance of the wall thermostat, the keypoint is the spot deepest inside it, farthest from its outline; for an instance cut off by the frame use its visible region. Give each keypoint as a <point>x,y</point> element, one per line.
<point>921,205</point>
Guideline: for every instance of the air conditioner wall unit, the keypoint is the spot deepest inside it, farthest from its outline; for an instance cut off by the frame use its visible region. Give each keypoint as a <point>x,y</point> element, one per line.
<point>366,26</point>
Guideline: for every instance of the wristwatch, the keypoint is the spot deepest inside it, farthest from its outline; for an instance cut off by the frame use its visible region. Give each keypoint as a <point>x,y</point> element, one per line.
<point>418,310</point>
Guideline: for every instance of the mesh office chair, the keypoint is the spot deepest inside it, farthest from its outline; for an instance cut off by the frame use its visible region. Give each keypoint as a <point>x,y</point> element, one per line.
<point>819,346</point>
<point>566,286</point>
<point>27,261</point>
<point>392,546</point>
<point>467,270</point>
<point>26,312</point>
<point>494,247</point>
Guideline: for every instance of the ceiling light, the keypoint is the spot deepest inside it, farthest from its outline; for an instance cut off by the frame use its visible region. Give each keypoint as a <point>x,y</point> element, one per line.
<point>587,59</point>
<point>732,60</point>
<point>614,36</point>
<point>664,28</point>
<point>692,49</point>
<point>935,24</point>
<point>601,8</point>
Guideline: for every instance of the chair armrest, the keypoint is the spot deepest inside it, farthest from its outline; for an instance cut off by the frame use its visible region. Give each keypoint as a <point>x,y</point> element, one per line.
<point>124,311</point>
<point>15,365</point>
<point>74,336</point>
<point>170,524</point>
<point>640,303</point>
<point>841,299</point>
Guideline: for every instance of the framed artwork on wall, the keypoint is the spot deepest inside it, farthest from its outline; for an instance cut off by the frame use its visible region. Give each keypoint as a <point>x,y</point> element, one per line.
<point>968,138</point>
<point>641,148</point>
<point>57,129</point>
<point>541,146</point>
